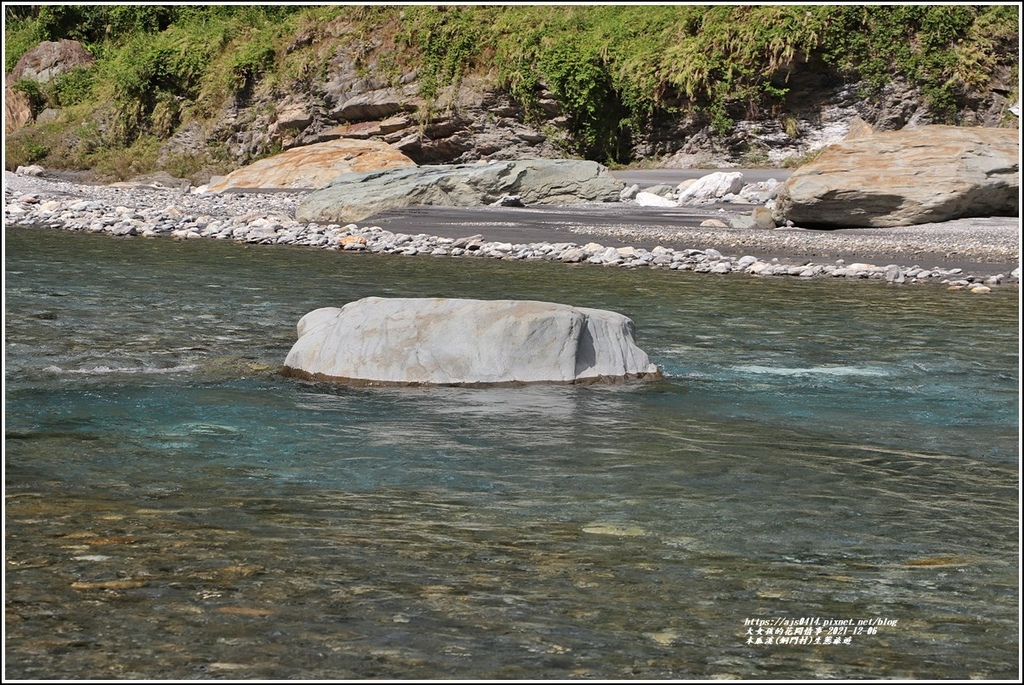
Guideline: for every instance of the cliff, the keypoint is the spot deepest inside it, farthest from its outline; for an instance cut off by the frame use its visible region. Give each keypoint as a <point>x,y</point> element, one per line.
<point>197,91</point>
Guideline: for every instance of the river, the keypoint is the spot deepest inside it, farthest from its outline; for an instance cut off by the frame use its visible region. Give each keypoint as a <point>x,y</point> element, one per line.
<point>825,485</point>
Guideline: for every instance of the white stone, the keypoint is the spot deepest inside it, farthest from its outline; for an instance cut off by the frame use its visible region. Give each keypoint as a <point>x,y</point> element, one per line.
<point>645,199</point>
<point>712,187</point>
<point>610,256</point>
<point>573,254</point>
<point>441,341</point>
<point>745,261</point>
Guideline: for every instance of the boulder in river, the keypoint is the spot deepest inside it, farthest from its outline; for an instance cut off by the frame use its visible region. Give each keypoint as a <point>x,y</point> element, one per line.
<point>442,341</point>
<point>907,177</point>
<point>353,197</point>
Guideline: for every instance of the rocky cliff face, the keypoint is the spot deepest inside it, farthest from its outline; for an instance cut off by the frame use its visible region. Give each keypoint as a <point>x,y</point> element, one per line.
<point>467,123</point>
<point>477,121</point>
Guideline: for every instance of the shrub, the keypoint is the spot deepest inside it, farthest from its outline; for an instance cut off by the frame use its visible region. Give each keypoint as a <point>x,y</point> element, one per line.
<point>74,86</point>
<point>33,91</point>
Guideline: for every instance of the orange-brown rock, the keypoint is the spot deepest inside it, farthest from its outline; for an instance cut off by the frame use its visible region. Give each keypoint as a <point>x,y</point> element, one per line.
<point>859,129</point>
<point>352,241</point>
<point>912,176</point>
<point>313,166</point>
<point>17,108</point>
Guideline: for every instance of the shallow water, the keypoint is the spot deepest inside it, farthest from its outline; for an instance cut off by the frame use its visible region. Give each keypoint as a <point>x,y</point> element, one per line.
<point>819,450</point>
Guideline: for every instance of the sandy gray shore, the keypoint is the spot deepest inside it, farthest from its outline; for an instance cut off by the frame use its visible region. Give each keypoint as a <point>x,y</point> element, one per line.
<point>983,249</point>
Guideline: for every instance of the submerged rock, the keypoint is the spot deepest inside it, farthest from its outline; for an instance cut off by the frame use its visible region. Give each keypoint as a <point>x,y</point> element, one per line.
<point>441,341</point>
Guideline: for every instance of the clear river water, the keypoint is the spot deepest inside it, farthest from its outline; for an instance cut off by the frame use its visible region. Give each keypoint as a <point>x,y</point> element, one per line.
<point>825,484</point>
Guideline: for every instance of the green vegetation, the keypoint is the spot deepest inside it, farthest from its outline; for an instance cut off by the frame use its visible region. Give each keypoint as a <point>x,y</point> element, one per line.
<point>613,69</point>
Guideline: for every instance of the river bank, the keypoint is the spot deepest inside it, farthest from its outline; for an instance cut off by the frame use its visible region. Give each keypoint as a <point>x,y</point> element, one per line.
<point>969,254</point>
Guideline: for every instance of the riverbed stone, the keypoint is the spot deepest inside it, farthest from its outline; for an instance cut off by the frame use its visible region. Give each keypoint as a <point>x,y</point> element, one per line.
<point>154,211</point>
<point>648,199</point>
<point>352,197</point>
<point>443,341</point>
<point>759,217</point>
<point>907,177</point>
<point>894,274</point>
<point>312,166</point>
<point>711,188</point>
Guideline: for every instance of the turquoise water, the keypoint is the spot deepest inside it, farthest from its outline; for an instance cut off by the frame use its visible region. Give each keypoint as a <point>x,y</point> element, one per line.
<point>820,450</point>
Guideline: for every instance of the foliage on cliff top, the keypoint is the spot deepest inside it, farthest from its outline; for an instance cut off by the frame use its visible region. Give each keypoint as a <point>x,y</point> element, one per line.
<point>612,68</point>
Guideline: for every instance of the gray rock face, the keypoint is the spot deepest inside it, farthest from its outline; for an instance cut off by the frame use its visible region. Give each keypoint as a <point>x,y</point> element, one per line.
<point>50,59</point>
<point>902,178</point>
<point>440,341</point>
<point>352,197</point>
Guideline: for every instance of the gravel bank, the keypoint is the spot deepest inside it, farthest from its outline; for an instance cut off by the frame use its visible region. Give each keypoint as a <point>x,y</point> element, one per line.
<point>970,254</point>
<point>984,243</point>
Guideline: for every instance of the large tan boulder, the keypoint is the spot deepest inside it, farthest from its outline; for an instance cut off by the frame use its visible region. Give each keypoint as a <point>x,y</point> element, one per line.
<point>907,177</point>
<point>313,166</point>
<point>441,341</point>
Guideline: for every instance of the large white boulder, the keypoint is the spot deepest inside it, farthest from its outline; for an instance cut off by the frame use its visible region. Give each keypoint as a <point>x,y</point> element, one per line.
<point>441,341</point>
<point>711,188</point>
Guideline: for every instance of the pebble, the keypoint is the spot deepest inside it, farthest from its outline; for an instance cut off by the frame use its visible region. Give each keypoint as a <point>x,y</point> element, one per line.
<point>267,218</point>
